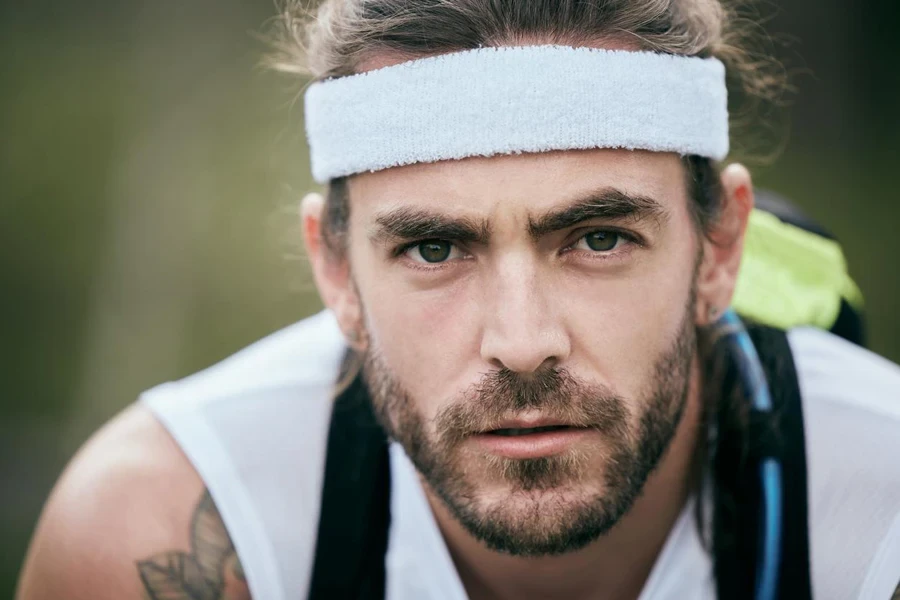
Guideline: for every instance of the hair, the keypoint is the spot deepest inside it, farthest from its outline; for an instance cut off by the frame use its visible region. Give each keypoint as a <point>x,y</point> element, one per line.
<point>334,38</point>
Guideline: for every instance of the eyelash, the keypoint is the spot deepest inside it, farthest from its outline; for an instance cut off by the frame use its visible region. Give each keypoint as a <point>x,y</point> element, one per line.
<point>624,236</point>
<point>399,251</point>
<point>627,237</point>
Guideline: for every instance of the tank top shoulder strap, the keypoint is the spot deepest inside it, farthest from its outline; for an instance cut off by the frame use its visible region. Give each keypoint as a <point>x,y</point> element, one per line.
<point>355,519</point>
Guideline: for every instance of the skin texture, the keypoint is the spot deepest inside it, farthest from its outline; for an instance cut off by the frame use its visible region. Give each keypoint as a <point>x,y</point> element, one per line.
<point>202,573</point>
<point>522,300</point>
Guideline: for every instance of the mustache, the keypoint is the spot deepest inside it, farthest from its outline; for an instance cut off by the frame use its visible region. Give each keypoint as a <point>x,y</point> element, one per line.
<point>556,393</point>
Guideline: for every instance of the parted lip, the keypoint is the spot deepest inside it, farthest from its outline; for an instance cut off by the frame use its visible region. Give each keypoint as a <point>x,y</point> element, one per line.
<point>529,422</point>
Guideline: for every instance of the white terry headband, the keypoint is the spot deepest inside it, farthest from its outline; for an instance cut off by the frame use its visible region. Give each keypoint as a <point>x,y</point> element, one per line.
<point>509,100</point>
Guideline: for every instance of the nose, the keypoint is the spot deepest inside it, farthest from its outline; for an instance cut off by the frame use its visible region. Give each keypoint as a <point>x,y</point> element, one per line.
<point>522,331</point>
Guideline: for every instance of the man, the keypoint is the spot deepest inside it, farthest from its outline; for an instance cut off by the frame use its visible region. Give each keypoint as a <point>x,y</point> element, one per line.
<point>525,252</point>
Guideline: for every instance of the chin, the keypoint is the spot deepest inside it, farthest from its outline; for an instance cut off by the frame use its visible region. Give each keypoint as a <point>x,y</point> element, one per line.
<point>536,506</point>
<point>540,522</point>
<point>537,521</point>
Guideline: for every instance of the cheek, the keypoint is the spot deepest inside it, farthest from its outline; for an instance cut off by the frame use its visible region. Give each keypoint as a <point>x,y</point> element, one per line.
<point>428,337</point>
<point>619,327</point>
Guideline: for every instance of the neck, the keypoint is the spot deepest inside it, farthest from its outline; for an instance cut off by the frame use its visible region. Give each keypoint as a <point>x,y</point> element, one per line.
<point>614,567</point>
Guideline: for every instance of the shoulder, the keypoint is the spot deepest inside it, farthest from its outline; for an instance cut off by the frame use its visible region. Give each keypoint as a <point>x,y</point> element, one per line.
<point>839,373</point>
<point>851,406</point>
<point>244,424</point>
<point>259,409</point>
<point>206,455</point>
<point>851,411</point>
<point>123,522</point>
<point>303,355</point>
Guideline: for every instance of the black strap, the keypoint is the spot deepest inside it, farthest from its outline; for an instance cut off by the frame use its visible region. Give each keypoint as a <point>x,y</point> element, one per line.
<point>744,437</point>
<point>355,513</point>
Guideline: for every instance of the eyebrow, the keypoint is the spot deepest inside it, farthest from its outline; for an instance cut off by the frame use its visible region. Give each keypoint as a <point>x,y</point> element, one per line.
<point>406,223</point>
<point>608,203</point>
<point>411,223</point>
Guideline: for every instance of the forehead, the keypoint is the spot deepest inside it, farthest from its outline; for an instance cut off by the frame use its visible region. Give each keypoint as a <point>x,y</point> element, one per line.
<point>528,183</point>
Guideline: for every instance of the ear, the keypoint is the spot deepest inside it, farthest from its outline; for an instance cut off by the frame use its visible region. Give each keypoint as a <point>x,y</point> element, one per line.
<point>724,245</point>
<point>331,271</point>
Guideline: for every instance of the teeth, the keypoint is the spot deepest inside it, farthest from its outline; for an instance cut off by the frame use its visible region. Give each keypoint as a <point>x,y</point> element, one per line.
<point>528,430</point>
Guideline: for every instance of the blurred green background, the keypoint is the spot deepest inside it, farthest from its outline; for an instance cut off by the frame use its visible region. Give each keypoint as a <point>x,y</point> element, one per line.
<point>149,176</point>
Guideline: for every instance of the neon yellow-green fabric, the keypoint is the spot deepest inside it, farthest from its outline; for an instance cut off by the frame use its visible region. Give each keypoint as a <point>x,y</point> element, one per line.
<point>791,277</point>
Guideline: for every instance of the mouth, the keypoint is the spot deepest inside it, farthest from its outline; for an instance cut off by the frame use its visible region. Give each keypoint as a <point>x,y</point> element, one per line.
<point>523,440</point>
<point>516,431</point>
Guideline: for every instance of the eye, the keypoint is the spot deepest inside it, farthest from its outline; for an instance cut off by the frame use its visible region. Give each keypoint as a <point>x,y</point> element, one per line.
<point>432,251</point>
<point>599,241</point>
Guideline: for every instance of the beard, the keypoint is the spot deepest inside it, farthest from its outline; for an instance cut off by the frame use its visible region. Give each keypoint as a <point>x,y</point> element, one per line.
<point>548,505</point>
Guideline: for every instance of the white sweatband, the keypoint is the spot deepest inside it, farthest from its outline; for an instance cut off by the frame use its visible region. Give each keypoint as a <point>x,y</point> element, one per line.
<point>509,100</point>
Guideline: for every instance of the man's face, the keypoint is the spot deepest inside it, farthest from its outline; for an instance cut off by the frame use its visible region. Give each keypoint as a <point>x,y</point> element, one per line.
<point>530,331</point>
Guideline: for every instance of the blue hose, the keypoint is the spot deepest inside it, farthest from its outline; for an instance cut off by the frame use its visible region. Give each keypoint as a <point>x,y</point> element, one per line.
<point>754,379</point>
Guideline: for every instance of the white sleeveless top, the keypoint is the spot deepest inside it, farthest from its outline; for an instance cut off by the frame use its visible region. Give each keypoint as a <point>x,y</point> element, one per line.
<point>255,428</point>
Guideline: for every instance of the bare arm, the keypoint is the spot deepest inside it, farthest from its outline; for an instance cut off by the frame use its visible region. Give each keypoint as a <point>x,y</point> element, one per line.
<point>209,571</point>
<point>130,519</point>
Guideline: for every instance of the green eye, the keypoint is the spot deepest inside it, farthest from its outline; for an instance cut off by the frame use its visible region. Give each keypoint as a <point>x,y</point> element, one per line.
<point>435,251</point>
<point>602,241</point>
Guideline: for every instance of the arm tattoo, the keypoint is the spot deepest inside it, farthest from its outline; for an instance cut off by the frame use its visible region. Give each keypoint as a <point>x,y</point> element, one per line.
<point>200,574</point>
